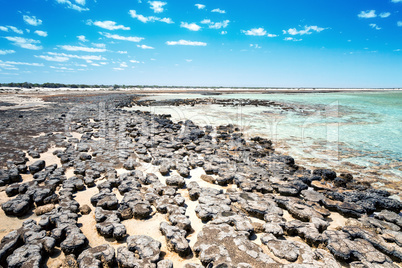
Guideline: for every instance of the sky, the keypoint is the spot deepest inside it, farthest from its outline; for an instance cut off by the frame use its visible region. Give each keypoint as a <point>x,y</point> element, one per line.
<point>230,43</point>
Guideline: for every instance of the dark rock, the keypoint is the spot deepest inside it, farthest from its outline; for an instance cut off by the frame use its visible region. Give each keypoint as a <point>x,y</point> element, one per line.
<point>175,181</point>
<point>145,246</point>
<point>100,256</point>
<point>37,166</point>
<point>175,239</point>
<point>18,206</point>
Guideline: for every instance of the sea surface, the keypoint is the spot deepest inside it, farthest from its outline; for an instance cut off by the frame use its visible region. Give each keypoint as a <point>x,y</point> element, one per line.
<point>358,132</point>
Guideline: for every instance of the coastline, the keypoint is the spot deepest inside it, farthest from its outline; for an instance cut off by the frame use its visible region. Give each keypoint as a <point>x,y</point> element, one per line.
<point>266,203</point>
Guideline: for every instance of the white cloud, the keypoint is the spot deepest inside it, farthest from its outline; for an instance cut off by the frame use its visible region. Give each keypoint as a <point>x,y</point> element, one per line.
<point>12,28</point>
<point>53,58</point>
<point>117,69</point>
<point>307,30</point>
<point>200,6</point>
<point>41,33</point>
<point>71,5</point>
<point>85,49</point>
<point>399,23</point>
<point>87,58</point>
<point>80,2</point>
<point>367,14</point>
<point>123,38</point>
<point>216,25</point>
<point>185,43</point>
<point>82,38</point>
<point>190,26</point>
<point>385,15</point>
<point>123,65</point>
<point>122,52</point>
<point>255,32</point>
<point>16,30</point>
<point>108,25</point>
<point>24,63</point>
<point>292,39</point>
<point>145,47</point>
<point>24,42</point>
<point>218,10</point>
<point>224,32</point>
<point>375,26</point>
<point>272,35</point>
<point>5,52</point>
<point>134,61</point>
<point>166,20</point>
<point>396,1</point>
<point>32,20</point>
<point>144,19</point>
<point>189,60</point>
<point>157,6</point>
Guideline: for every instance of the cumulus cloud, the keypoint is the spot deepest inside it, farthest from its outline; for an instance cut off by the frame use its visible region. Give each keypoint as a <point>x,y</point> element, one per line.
<point>224,32</point>
<point>82,38</point>
<point>185,43</point>
<point>145,19</point>
<point>122,52</point>
<point>84,49</point>
<point>80,2</point>
<point>32,20</point>
<point>123,38</point>
<point>399,23</point>
<point>255,32</point>
<point>307,30</point>
<point>200,6</point>
<point>72,6</point>
<point>216,25</point>
<point>5,52</point>
<point>272,35</point>
<point>41,33</point>
<point>190,26</point>
<point>53,58</point>
<point>145,47</point>
<point>396,1</point>
<point>375,26</point>
<point>108,25</point>
<point>157,6</point>
<point>218,10</point>
<point>367,14</point>
<point>385,15</point>
<point>12,28</point>
<point>24,42</point>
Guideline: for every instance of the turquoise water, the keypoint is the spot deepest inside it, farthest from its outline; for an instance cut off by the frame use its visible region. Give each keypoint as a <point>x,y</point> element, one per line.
<point>355,130</point>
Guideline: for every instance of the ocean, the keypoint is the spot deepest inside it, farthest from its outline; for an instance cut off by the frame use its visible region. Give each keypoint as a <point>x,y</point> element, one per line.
<point>356,132</point>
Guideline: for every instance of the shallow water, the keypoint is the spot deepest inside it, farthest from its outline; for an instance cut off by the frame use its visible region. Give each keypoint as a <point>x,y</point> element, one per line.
<point>357,130</point>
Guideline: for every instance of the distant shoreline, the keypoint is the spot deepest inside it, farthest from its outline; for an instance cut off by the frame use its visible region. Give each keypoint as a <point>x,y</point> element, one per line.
<point>189,90</point>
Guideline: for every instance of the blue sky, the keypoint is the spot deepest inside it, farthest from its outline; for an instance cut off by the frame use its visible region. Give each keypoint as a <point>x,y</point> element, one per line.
<point>287,43</point>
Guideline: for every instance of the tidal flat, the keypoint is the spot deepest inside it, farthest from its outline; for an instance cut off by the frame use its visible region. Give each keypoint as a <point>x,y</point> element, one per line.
<point>127,179</point>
